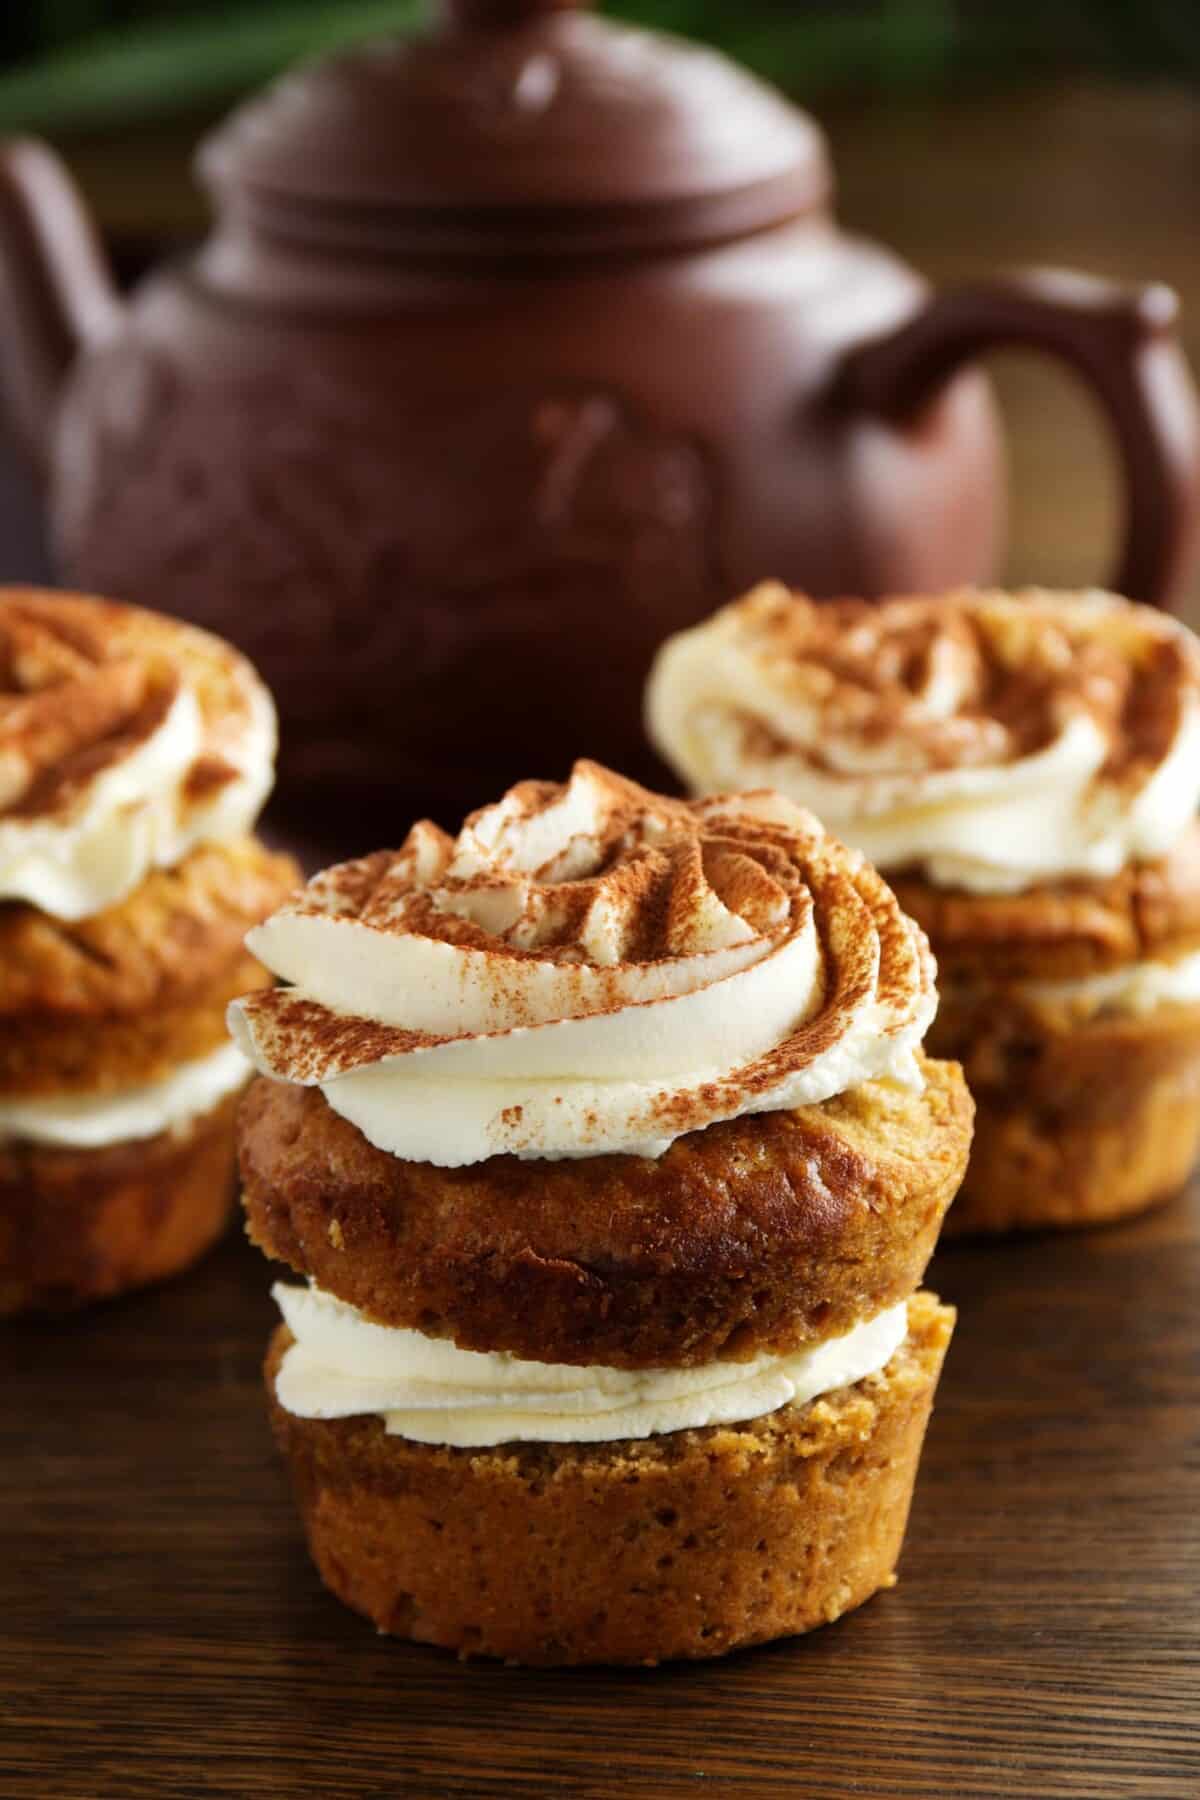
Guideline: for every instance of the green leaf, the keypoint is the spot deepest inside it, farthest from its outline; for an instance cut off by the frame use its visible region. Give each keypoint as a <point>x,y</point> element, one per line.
<point>153,71</point>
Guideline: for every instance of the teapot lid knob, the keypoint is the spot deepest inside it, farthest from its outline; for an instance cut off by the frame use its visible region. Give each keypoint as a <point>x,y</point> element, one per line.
<point>518,128</point>
<point>489,14</point>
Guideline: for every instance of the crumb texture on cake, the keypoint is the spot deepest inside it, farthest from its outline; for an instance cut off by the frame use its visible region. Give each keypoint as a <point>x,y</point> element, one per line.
<point>686,1545</point>
<point>136,752</point>
<point>179,931</point>
<point>81,1225</point>
<point>753,1236</point>
<point>1065,929</point>
<point>1074,1126</point>
<point>48,1056</point>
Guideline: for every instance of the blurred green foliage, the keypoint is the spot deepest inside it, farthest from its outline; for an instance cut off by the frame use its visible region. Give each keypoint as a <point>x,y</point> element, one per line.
<point>79,63</point>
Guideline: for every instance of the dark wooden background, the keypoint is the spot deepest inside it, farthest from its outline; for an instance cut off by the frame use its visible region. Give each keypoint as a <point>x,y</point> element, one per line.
<point>161,1632</point>
<point>1088,176</point>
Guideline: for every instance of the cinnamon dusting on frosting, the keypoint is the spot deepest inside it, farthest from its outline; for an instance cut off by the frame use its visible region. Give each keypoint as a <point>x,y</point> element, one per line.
<point>67,709</point>
<point>658,963</point>
<point>317,1044</point>
<point>125,739</point>
<point>909,716</point>
<point>82,684</point>
<point>875,673</point>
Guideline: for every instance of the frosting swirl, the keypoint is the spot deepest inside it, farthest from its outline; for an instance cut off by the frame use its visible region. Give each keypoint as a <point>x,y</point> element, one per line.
<point>125,740</point>
<point>992,741</point>
<point>589,968</point>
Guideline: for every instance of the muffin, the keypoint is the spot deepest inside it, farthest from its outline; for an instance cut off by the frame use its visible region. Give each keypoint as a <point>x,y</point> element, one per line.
<point>1026,769</point>
<point>135,755</point>
<point>603,1137</point>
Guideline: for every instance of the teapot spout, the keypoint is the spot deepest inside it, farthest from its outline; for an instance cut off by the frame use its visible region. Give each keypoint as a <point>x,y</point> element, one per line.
<point>56,290</point>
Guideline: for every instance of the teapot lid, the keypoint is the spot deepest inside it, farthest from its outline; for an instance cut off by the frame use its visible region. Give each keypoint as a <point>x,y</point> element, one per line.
<point>518,126</point>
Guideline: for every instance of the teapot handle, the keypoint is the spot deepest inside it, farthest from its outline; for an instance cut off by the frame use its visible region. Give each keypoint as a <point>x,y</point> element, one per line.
<point>1120,340</point>
<point>56,291</point>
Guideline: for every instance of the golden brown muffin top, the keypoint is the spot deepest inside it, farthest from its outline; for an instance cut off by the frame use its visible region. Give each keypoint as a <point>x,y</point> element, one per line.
<point>56,1054</point>
<point>177,933</point>
<point>1072,928</point>
<point>756,1235</point>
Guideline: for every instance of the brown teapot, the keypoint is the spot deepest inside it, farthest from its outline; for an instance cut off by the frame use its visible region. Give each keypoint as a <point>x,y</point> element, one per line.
<point>518,345</point>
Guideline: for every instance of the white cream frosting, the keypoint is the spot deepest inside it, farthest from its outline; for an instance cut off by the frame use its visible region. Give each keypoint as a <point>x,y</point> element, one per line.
<point>430,1391</point>
<point>199,774</point>
<point>94,1121</point>
<point>1137,988</point>
<point>589,969</point>
<point>901,724</point>
<point>133,819</point>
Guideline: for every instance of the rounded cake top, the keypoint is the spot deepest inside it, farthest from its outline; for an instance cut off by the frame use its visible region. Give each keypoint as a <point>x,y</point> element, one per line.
<point>992,741</point>
<point>126,739</point>
<point>589,968</point>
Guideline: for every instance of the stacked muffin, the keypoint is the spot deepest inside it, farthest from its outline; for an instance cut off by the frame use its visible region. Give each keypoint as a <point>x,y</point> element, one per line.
<point>135,754</point>
<point>1027,769</point>
<point>603,1136</point>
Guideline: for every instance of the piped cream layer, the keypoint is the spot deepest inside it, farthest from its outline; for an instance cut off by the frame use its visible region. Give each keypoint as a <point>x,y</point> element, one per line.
<point>427,1389</point>
<point>95,1121</point>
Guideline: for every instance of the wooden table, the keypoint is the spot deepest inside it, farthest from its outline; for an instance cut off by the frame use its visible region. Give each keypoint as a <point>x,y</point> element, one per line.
<point>162,1633</point>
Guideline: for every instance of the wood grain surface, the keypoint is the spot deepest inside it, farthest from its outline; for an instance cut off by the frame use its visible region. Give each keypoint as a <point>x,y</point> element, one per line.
<point>162,1632</point>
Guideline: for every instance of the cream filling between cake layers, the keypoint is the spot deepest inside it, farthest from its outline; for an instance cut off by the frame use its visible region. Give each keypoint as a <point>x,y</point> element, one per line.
<point>96,1121</point>
<point>342,1364</point>
<point>1137,988</point>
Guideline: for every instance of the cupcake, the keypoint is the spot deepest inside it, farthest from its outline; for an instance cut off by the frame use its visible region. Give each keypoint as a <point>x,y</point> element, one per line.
<point>1026,769</point>
<point>135,754</point>
<point>603,1137</point>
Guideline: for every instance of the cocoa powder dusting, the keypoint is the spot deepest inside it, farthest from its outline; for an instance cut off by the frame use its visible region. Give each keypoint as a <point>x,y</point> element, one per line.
<point>85,683</point>
<point>643,881</point>
<point>207,775</point>
<point>314,1043</point>
<point>875,674</point>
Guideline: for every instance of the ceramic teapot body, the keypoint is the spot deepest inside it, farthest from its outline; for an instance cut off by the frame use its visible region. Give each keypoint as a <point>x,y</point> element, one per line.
<point>453,522</point>
<point>451,504</point>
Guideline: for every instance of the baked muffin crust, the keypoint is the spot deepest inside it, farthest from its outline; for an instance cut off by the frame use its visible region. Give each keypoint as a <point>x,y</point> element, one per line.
<point>58,1056</point>
<point>756,1235</point>
<point>81,1225</point>
<point>1077,1122</point>
<point>178,933</point>
<point>1073,928</point>
<point>713,1538</point>
<point>136,752</point>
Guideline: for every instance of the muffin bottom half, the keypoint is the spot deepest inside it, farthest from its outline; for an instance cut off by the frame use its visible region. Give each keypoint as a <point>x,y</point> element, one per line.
<point>83,1225</point>
<point>689,1544</point>
<point>1075,1124</point>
